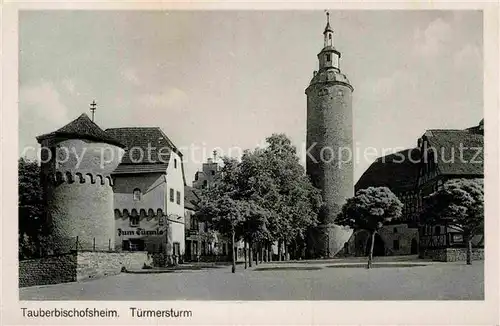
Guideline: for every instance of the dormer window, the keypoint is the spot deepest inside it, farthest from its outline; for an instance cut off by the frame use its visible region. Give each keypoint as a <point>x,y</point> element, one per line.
<point>137,194</point>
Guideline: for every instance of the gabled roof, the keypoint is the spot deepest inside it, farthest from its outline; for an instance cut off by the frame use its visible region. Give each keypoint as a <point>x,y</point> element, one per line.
<point>140,141</point>
<point>82,128</point>
<point>459,152</point>
<point>191,198</point>
<point>396,171</point>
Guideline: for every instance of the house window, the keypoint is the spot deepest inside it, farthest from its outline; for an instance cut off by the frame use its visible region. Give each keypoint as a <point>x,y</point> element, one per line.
<point>213,172</point>
<point>171,195</point>
<point>178,197</point>
<point>196,177</point>
<point>175,163</point>
<point>205,183</point>
<point>395,244</point>
<point>137,194</point>
<point>395,230</point>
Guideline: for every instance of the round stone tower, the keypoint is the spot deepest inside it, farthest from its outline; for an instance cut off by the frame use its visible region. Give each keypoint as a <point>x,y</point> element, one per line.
<point>329,161</point>
<point>76,164</point>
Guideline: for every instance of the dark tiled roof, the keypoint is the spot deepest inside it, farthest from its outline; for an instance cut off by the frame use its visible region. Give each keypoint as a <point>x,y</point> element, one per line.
<point>83,128</point>
<point>396,171</point>
<point>449,144</point>
<point>190,198</point>
<point>140,168</point>
<point>140,141</point>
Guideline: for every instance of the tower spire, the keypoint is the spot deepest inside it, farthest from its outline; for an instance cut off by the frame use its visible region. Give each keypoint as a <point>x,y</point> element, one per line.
<point>93,107</point>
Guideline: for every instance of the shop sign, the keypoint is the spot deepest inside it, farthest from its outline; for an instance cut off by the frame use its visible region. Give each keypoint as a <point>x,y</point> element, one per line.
<point>140,232</point>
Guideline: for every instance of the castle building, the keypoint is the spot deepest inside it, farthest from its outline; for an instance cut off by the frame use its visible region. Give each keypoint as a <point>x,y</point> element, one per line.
<point>77,162</point>
<point>116,190</point>
<point>329,136</point>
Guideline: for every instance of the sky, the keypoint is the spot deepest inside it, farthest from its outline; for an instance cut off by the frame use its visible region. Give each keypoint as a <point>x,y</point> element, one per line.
<point>230,79</point>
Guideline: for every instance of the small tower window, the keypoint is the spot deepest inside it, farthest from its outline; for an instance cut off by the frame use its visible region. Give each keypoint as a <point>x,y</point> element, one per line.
<point>328,57</point>
<point>137,194</point>
<point>175,163</point>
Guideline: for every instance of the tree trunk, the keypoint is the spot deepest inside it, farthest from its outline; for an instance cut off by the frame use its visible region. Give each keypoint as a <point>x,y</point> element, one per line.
<point>245,252</point>
<point>257,254</point>
<point>370,254</point>
<point>269,253</point>
<point>233,252</point>
<point>261,252</point>
<point>250,253</point>
<point>286,249</point>
<point>469,250</point>
<point>280,250</point>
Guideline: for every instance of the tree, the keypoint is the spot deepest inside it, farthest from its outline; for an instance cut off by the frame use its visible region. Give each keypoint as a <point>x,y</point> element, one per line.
<point>31,223</point>
<point>369,210</point>
<point>297,203</point>
<point>221,207</point>
<point>460,202</point>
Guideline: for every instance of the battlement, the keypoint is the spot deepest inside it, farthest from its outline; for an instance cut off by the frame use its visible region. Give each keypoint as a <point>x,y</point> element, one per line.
<point>71,177</point>
<point>142,213</point>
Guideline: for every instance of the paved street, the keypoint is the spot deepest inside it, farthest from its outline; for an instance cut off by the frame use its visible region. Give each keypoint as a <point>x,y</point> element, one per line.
<point>282,281</point>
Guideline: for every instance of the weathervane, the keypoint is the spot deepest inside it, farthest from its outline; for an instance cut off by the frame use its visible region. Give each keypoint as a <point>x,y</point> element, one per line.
<point>93,106</point>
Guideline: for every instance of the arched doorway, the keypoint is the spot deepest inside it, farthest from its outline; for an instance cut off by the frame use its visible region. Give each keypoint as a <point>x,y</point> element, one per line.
<point>378,246</point>
<point>414,247</point>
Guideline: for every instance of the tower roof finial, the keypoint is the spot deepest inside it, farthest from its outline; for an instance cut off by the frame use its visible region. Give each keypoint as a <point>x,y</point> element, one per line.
<point>328,28</point>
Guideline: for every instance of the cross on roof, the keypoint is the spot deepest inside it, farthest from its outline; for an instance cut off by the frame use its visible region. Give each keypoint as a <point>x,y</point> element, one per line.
<point>93,106</point>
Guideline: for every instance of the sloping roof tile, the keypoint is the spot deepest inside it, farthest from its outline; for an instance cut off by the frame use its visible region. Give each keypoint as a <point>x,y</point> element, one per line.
<point>190,198</point>
<point>140,168</point>
<point>144,145</point>
<point>396,171</point>
<point>83,128</point>
<point>459,152</point>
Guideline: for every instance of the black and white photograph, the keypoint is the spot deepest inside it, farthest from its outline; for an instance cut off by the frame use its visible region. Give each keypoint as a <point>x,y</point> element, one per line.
<point>251,155</point>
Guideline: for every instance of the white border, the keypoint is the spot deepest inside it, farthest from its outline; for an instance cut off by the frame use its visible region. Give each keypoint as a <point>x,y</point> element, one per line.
<point>265,312</point>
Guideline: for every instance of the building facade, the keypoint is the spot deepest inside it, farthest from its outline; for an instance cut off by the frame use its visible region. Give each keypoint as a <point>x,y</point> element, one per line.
<point>413,174</point>
<point>446,155</point>
<point>121,189</point>
<point>329,129</point>
<point>149,193</point>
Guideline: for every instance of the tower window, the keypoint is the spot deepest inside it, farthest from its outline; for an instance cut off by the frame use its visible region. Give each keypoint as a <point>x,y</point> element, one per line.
<point>328,58</point>
<point>329,36</point>
<point>175,163</point>
<point>178,197</point>
<point>137,194</point>
<point>171,195</point>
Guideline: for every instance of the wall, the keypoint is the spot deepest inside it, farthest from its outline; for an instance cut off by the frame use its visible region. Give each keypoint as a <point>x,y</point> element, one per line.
<point>100,264</point>
<point>403,234</point>
<point>453,254</point>
<point>78,193</point>
<point>78,267</point>
<point>175,212</point>
<point>152,191</point>
<point>50,270</point>
<point>84,210</point>
<point>359,240</point>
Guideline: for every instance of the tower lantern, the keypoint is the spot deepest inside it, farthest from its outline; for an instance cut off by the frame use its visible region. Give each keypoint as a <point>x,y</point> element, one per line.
<point>329,57</point>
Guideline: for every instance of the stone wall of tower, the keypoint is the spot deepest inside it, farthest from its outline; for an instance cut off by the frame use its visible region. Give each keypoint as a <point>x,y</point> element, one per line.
<point>330,164</point>
<point>79,194</point>
<point>329,134</point>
